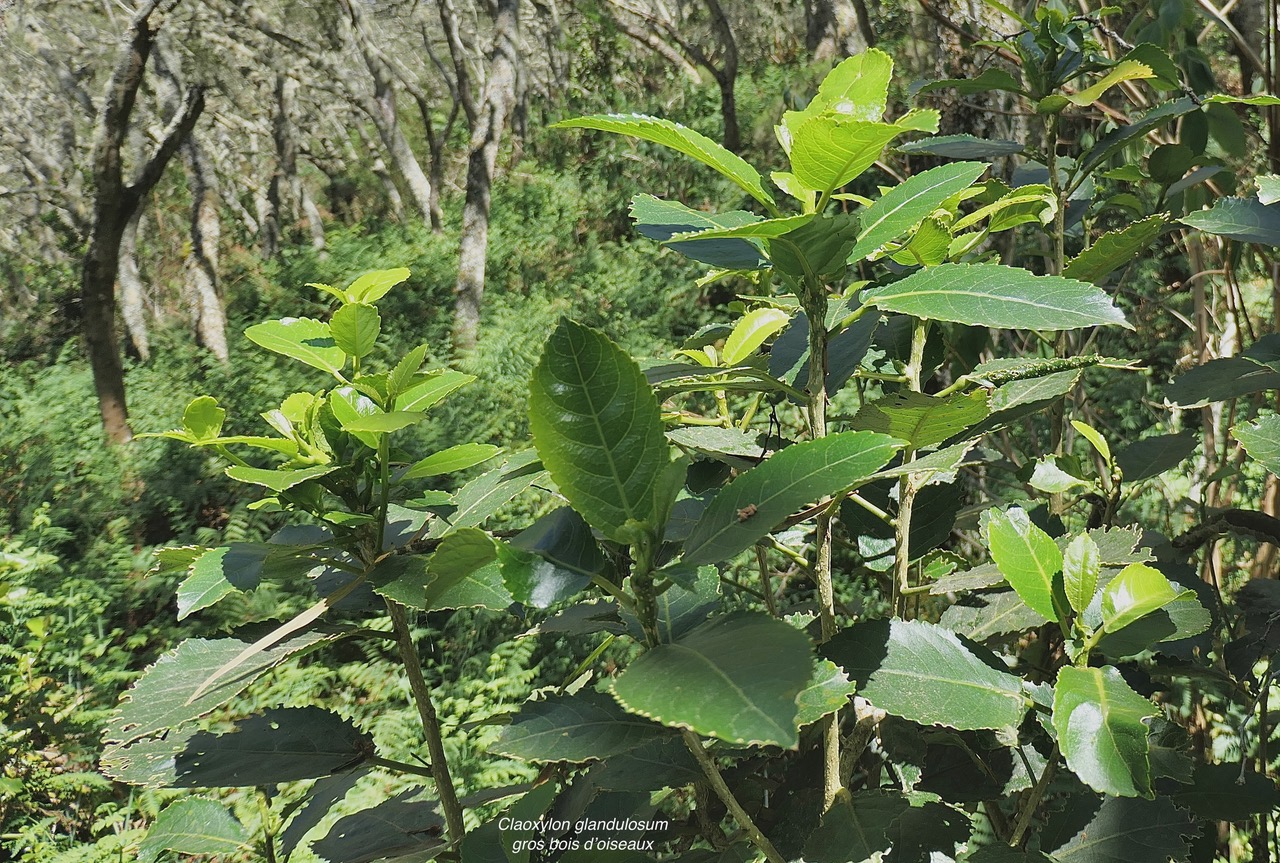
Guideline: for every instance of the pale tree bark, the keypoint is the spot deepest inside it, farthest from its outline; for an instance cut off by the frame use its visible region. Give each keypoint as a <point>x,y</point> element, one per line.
<point>204,301</point>
<point>114,203</point>
<point>488,118</point>
<point>835,29</point>
<point>133,310</point>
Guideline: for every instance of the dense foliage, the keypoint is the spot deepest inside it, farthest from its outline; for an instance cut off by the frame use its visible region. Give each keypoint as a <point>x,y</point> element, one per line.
<point>900,552</point>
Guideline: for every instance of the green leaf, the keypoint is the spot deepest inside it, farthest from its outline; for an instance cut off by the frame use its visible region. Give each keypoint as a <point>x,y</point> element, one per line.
<point>909,203</point>
<point>396,831</point>
<point>1114,140</point>
<point>922,672</point>
<point>383,423</point>
<point>735,677</point>
<point>1125,70</point>
<point>303,339</point>
<point>195,825</point>
<point>828,691</point>
<point>1098,718</point>
<point>1115,249</point>
<point>1245,219</point>
<point>990,79</point>
<point>765,229</point>
<point>1219,380</point>
<point>533,580</point>
<point>1261,440</point>
<point>661,220</point>
<point>923,420</point>
<point>818,246</point>
<point>856,827</point>
<point>857,87</point>
<point>462,573</point>
<point>455,458</point>
<point>486,494</point>
<point>1225,792</point>
<point>320,798</point>
<point>1081,564</point>
<point>283,745</point>
<point>278,480</point>
<point>563,538</point>
<point>1122,830</point>
<point>1095,439</point>
<point>1268,188</point>
<point>222,571</point>
<point>160,700</point>
<point>662,763</point>
<point>1001,613</point>
<point>574,728</point>
<point>402,375</point>
<point>355,329</point>
<point>751,332</point>
<point>829,151</point>
<point>680,139</point>
<point>439,384</point>
<point>1152,456</point>
<point>718,441</point>
<point>962,147</point>
<point>1135,592</point>
<point>993,295</point>
<point>373,286</point>
<point>1027,556</point>
<point>598,429</point>
<point>203,418</point>
<point>756,501</point>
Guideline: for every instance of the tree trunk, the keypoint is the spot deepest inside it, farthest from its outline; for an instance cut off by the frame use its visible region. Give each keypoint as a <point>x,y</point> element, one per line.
<point>203,300</point>
<point>486,134</point>
<point>114,204</point>
<point>835,29</point>
<point>132,292</point>
<point>726,75</point>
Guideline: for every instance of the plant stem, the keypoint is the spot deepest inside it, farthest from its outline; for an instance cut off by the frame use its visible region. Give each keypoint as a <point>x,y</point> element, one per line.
<point>401,767</point>
<point>430,724</point>
<point>726,796</point>
<point>1033,800</point>
<point>814,300</point>
<point>906,484</point>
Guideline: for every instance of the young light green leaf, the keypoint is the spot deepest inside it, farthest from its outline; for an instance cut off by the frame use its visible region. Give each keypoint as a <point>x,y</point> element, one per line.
<point>828,691</point>
<point>680,139</point>
<point>1081,564</point>
<point>455,458</point>
<point>222,571</point>
<point>372,287</point>
<point>758,500</point>
<point>1268,188</point>
<point>923,420</point>
<point>857,87</point>
<point>598,429</point>
<point>303,339</point>
<point>829,151</point>
<point>1125,70</point>
<point>383,423</point>
<point>438,384</point>
<point>587,726</point>
<point>751,332</point>
<point>1095,439</point>
<point>993,295</point>
<point>1261,440</point>
<point>355,328</point>
<point>1137,591</point>
<point>195,825</point>
<point>404,371</point>
<point>203,418</point>
<point>1027,556</point>
<point>909,203</point>
<point>922,672</point>
<point>735,677</point>
<point>1098,718</point>
<point>278,480</point>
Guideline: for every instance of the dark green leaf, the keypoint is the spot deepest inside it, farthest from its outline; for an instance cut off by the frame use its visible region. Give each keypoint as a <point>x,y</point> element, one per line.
<point>221,571</point>
<point>303,339</point>
<point>990,79</point>
<point>1122,830</point>
<point>1152,456</point>
<point>735,677</point>
<point>391,830</point>
<point>1027,556</point>
<point>195,825</point>
<point>661,220</point>
<point>321,797</point>
<point>1219,380</point>
<point>664,763</point>
<point>282,745</point>
<point>908,204</point>
<point>680,139</point>
<point>1002,612</point>
<point>1222,792</point>
<point>1111,142</point>
<point>534,580</point>
<point>922,672</point>
<point>574,728</point>
<point>962,147</point>
<point>1245,219</point>
<point>1114,250</point>
<point>993,295</point>
<point>355,328</point>
<point>758,500</point>
<point>1099,720</point>
<point>1261,440</point>
<point>598,430</point>
<point>856,827</point>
